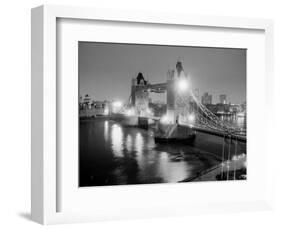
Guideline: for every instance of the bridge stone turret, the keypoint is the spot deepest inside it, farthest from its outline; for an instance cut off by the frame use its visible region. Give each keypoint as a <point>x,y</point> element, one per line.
<point>171,97</point>
<point>140,95</point>
<point>175,103</point>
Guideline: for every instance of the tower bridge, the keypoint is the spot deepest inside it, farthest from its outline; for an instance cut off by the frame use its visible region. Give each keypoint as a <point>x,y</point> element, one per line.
<point>184,110</point>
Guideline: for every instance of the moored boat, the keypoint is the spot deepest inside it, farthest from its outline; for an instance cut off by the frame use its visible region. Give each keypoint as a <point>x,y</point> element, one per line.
<point>185,140</point>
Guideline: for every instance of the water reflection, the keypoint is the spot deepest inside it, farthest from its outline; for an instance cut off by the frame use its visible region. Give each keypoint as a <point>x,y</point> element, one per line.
<point>129,143</point>
<point>111,154</point>
<point>138,147</point>
<point>117,140</point>
<point>139,143</point>
<point>106,130</point>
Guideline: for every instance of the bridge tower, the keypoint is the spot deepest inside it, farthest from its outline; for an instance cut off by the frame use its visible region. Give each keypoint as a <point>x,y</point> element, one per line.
<point>140,95</point>
<point>171,97</point>
<point>176,103</point>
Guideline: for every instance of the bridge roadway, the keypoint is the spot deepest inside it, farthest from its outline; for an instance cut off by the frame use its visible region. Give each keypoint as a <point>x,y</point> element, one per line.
<point>241,138</point>
<point>156,88</point>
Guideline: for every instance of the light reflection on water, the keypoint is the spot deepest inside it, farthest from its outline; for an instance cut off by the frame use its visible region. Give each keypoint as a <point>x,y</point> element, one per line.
<point>112,154</point>
<point>129,143</point>
<point>106,130</point>
<point>239,122</point>
<point>138,143</point>
<point>117,140</point>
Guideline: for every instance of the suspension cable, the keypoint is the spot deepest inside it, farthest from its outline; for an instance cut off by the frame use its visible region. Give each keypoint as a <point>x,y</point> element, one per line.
<point>235,155</point>
<point>222,158</point>
<point>210,120</point>
<point>228,157</point>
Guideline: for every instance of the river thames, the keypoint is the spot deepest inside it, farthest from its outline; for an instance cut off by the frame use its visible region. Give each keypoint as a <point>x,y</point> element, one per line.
<point>112,154</point>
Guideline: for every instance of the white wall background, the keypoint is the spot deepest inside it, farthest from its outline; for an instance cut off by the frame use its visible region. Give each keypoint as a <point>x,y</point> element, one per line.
<point>15,113</point>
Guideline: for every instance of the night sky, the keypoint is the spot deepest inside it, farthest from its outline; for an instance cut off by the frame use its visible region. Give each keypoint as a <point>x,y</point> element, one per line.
<point>106,70</point>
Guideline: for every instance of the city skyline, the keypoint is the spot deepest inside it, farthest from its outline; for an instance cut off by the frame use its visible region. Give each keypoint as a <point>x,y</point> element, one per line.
<point>104,74</point>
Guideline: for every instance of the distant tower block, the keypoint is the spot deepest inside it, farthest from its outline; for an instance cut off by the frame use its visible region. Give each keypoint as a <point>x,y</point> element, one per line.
<point>140,96</point>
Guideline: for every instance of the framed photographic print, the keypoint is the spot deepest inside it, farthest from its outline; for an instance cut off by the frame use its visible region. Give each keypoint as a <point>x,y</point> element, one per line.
<point>138,114</point>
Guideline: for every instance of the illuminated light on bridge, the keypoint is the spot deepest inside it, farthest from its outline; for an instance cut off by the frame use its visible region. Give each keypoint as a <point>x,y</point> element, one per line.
<point>130,112</point>
<point>165,119</point>
<point>182,84</point>
<point>191,118</point>
<point>235,158</point>
<point>149,112</point>
<point>106,111</point>
<point>117,104</point>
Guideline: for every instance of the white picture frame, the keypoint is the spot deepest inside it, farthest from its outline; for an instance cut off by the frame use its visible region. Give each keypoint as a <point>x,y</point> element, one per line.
<point>45,163</point>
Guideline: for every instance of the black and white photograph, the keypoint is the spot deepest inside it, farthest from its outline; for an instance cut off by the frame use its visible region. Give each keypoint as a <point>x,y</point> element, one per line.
<point>153,114</point>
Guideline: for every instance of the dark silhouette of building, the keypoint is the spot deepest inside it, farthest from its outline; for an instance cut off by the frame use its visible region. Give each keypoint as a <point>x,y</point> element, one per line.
<point>223,99</point>
<point>140,79</point>
<point>207,99</point>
